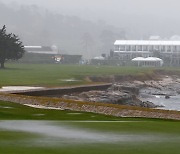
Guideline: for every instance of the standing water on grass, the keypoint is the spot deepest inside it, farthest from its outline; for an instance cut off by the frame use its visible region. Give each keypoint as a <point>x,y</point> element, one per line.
<point>64,133</point>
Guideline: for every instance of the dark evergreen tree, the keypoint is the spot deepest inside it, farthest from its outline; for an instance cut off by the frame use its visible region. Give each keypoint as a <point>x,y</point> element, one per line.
<point>11,48</point>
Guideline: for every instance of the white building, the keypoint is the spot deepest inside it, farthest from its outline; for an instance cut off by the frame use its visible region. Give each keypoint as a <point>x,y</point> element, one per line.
<point>168,50</point>
<point>150,61</point>
<point>146,46</point>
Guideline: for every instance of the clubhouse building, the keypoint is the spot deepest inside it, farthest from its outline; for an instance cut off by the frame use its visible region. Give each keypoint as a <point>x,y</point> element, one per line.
<point>166,50</point>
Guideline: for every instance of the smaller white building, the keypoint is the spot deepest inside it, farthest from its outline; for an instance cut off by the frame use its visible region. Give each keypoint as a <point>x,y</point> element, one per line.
<point>150,61</point>
<point>99,58</point>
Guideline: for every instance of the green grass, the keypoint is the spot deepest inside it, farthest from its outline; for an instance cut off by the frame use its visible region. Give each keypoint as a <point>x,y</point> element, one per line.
<point>20,112</point>
<point>20,142</point>
<point>53,74</point>
<point>17,142</point>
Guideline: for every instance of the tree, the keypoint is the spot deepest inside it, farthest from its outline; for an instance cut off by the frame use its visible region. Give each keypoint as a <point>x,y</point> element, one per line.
<point>10,47</point>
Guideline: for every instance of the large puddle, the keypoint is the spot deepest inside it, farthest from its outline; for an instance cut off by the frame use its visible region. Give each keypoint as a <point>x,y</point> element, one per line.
<point>57,133</point>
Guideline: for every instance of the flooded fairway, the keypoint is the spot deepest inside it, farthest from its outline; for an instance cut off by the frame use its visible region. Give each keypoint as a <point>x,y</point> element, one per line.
<point>27,137</point>
<point>60,133</point>
<point>77,132</point>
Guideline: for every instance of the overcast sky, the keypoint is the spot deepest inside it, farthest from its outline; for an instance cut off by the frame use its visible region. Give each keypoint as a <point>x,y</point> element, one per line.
<point>158,17</point>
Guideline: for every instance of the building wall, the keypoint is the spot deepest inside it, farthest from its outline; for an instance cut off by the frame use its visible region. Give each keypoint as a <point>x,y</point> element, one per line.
<point>168,51</point>
<point>37,58</point>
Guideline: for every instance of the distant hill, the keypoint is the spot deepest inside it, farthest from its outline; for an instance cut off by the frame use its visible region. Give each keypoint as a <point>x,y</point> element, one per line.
<point>71,34</point>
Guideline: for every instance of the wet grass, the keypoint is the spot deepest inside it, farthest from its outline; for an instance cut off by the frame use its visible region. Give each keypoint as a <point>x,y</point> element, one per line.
<point>13,111</point>
<point>55,75</point>
<point>17,142</point>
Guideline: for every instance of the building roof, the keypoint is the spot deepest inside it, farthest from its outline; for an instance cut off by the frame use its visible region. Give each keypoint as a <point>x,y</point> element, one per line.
<point>33,47</point>
<point>132,51</point>
<point>150,59</point>
<point>146,42</point>
<point>175,37</point>
<point>40,49</point>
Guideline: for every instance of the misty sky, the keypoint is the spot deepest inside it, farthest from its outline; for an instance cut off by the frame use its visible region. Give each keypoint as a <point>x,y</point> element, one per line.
<point>139,17</point>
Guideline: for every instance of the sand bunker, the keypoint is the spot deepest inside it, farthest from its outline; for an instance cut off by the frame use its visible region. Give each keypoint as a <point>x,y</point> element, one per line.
<point>43,107</point>
<point>18,88</point>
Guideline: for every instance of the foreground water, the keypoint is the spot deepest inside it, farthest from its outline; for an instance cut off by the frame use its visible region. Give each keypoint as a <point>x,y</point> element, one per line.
<point>97,137</point>
<point>62,133</point>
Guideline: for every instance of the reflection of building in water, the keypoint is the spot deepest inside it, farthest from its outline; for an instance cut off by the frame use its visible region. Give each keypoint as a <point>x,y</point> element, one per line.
<point>167,50</point>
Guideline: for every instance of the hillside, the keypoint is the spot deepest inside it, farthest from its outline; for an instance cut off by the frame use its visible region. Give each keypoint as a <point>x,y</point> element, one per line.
<point>71,34</point>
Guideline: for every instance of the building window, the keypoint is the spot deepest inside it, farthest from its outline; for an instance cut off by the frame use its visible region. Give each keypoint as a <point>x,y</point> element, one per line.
<point>163,48</point>
<point>117,48</point>
<point>133,48</point>
<point>168,48</point>
<point>128,48</point>
<point>156,48</point>
<point>122,48</point>
<point>145,48</point>
<point>178,48</point>
<point>140,48</point>
<point>151,48</point>
<point>174,48</point>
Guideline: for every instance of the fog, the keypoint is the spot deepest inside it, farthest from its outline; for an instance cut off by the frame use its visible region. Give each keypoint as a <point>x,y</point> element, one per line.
<point>125,19</point>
